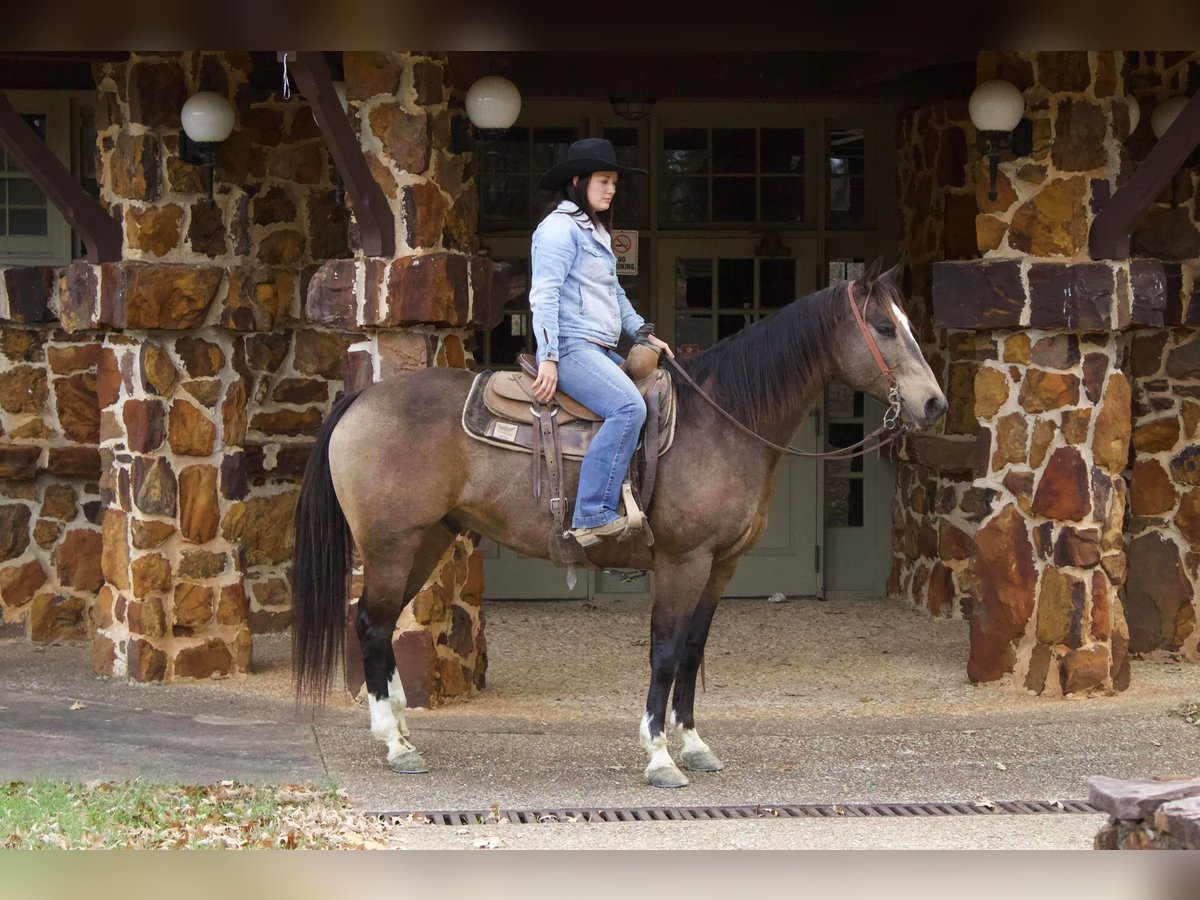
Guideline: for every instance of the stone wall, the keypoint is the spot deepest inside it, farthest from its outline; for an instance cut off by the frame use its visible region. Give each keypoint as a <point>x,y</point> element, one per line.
<point>50,503</point>
<point>1164,526</point>
<point>936,507</point>
<point>158,412</point>
<point>1046,381</point>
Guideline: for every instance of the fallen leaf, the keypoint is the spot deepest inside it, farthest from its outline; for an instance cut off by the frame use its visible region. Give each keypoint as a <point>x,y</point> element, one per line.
<point>76,705</point>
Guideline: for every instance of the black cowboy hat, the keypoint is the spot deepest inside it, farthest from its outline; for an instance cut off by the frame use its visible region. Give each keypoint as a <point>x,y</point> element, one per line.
<point>583,158</point>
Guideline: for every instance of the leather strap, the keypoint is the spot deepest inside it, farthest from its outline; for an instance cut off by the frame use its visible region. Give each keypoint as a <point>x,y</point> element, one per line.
<point>861,318</point>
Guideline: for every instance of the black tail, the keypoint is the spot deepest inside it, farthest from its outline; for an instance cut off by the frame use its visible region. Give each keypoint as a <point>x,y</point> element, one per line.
<point>320,570</point>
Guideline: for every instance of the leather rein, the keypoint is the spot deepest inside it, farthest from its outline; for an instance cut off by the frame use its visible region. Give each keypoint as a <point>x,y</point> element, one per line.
<point>885,434</point>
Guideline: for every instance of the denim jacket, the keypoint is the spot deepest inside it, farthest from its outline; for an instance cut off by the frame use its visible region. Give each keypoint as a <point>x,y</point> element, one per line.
<point>573,289</point>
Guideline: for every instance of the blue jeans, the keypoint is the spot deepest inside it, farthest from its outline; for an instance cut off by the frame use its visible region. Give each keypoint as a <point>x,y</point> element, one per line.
<point>592,375</point>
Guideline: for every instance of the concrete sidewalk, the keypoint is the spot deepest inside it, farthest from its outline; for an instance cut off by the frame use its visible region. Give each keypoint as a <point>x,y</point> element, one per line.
<point>807,702</point>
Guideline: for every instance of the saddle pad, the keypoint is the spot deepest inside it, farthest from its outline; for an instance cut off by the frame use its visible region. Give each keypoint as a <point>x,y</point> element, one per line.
<point>484,425</point>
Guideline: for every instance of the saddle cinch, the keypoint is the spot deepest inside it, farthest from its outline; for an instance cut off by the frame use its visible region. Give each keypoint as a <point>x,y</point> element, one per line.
<point>501,410</point>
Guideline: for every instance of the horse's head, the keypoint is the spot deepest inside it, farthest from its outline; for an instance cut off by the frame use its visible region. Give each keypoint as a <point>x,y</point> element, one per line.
<point>885,326</point>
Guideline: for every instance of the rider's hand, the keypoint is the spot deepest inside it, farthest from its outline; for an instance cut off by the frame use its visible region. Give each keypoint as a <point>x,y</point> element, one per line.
<point>547,381</point>
<point>659,344</point>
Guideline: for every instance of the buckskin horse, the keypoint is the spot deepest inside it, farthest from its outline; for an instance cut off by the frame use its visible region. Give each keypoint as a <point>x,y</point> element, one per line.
<point>393,470</point>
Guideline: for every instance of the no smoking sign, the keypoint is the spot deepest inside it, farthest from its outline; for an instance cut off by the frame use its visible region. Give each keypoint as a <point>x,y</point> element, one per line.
<point>625,248</point>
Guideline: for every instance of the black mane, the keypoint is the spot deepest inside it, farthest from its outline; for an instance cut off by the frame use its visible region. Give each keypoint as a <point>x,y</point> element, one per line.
<point>767,367</point>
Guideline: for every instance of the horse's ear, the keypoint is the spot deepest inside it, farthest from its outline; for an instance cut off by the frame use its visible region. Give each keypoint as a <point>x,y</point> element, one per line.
<point>892,275</point>
<point>869,277</point>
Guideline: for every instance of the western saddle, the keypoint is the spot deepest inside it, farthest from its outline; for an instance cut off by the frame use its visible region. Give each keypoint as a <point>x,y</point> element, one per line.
<point>501,410</point>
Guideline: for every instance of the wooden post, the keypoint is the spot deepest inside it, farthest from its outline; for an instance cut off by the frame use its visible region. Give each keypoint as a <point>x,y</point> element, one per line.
<point>1110,232</point>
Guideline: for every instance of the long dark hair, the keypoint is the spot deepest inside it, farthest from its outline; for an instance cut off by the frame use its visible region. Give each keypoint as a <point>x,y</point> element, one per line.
<point>577,194</point>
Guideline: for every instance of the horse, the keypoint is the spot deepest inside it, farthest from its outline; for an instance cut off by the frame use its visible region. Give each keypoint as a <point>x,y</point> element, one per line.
<point>393,470</point>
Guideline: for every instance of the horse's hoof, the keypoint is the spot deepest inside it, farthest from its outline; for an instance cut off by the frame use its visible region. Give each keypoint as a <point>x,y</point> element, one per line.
<point>666,777</point>
<point>410,763</point>
<point>701,761</point>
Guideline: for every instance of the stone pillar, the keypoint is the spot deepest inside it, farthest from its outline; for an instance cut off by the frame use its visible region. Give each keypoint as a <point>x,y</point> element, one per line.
<point>414,311</point>
<point>1049,561</point>
<point>1164,526</point>
<point>50,510</point>
<point>173,602</point>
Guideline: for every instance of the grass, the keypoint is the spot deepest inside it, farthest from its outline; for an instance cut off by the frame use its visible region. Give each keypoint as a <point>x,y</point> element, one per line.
<point>142,814</point>
<point>1189,712</point>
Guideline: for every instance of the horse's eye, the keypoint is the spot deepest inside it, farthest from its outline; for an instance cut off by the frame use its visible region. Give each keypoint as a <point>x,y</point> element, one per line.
<point>885,329</point>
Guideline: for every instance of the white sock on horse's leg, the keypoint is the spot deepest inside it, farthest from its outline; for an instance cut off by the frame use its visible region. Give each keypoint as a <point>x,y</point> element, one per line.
<point>696,754</point>
<point>387,720</point>
<point>661,771</point>
<point>655,745</point>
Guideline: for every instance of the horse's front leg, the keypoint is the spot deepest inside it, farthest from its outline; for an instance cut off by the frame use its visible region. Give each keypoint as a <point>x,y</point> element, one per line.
<point>678,588</point>
<point>696,754</point>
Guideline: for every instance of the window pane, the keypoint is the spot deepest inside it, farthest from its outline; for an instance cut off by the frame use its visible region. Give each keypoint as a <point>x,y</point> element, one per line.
<point>509,153</point>
<point>550,147</point>
<point>846,434</point>
<point>733,200</point>
<point>23,192</point>
<point>27,221</point>
<point>728,324</point>
<point>632,206</point>
<point>508,339</point>
<point>692,334</point>
<point>735,283</point>
<point>693,283</point>
<point>783,199</point>
<point>847,165</point>
<point>685,150</point>
<point>506,199</point>
<point>783,150</point>
<point>37,121</point>
<point>733,150</point>
<point>777,282</point>
<point>685,200</point>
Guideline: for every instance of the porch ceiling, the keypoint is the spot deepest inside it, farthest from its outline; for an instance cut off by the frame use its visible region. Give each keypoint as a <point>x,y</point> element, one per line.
<point>906,76</point>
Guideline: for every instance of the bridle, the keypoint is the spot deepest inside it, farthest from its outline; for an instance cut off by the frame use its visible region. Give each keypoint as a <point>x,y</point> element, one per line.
<point>885,434</point>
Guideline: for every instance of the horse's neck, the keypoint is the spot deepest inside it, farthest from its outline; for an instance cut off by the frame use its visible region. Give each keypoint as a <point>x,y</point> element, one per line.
<point>781,428</point>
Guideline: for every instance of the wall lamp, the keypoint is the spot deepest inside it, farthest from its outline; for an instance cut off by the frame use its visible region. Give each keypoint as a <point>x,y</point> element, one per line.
<point>207,119</point>
<point>632,109</point>
<point>493,104</point>
<point>997,109</point>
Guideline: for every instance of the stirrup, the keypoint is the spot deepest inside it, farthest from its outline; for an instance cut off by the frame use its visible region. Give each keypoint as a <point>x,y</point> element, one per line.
<point>635,517</point>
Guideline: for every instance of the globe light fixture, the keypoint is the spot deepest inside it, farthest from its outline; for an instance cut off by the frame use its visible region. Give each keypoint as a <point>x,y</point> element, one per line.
<point>1165,114</point>
<point>1135,112</point>
<point>206,119</point>
<point>997,109</point>
<point>493,104</point>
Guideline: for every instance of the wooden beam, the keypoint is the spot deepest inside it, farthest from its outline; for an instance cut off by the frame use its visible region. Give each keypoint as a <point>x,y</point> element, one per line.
<point>376,226</point>
<point>100,232</point>
<point>1110,232</point>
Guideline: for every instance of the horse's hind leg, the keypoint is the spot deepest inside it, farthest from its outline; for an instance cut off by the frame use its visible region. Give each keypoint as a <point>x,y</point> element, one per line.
<point>391,580</point>
<point>696,754</point>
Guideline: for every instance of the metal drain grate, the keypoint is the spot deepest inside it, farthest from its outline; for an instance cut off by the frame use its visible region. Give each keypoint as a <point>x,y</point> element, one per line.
<point>762,811</point>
